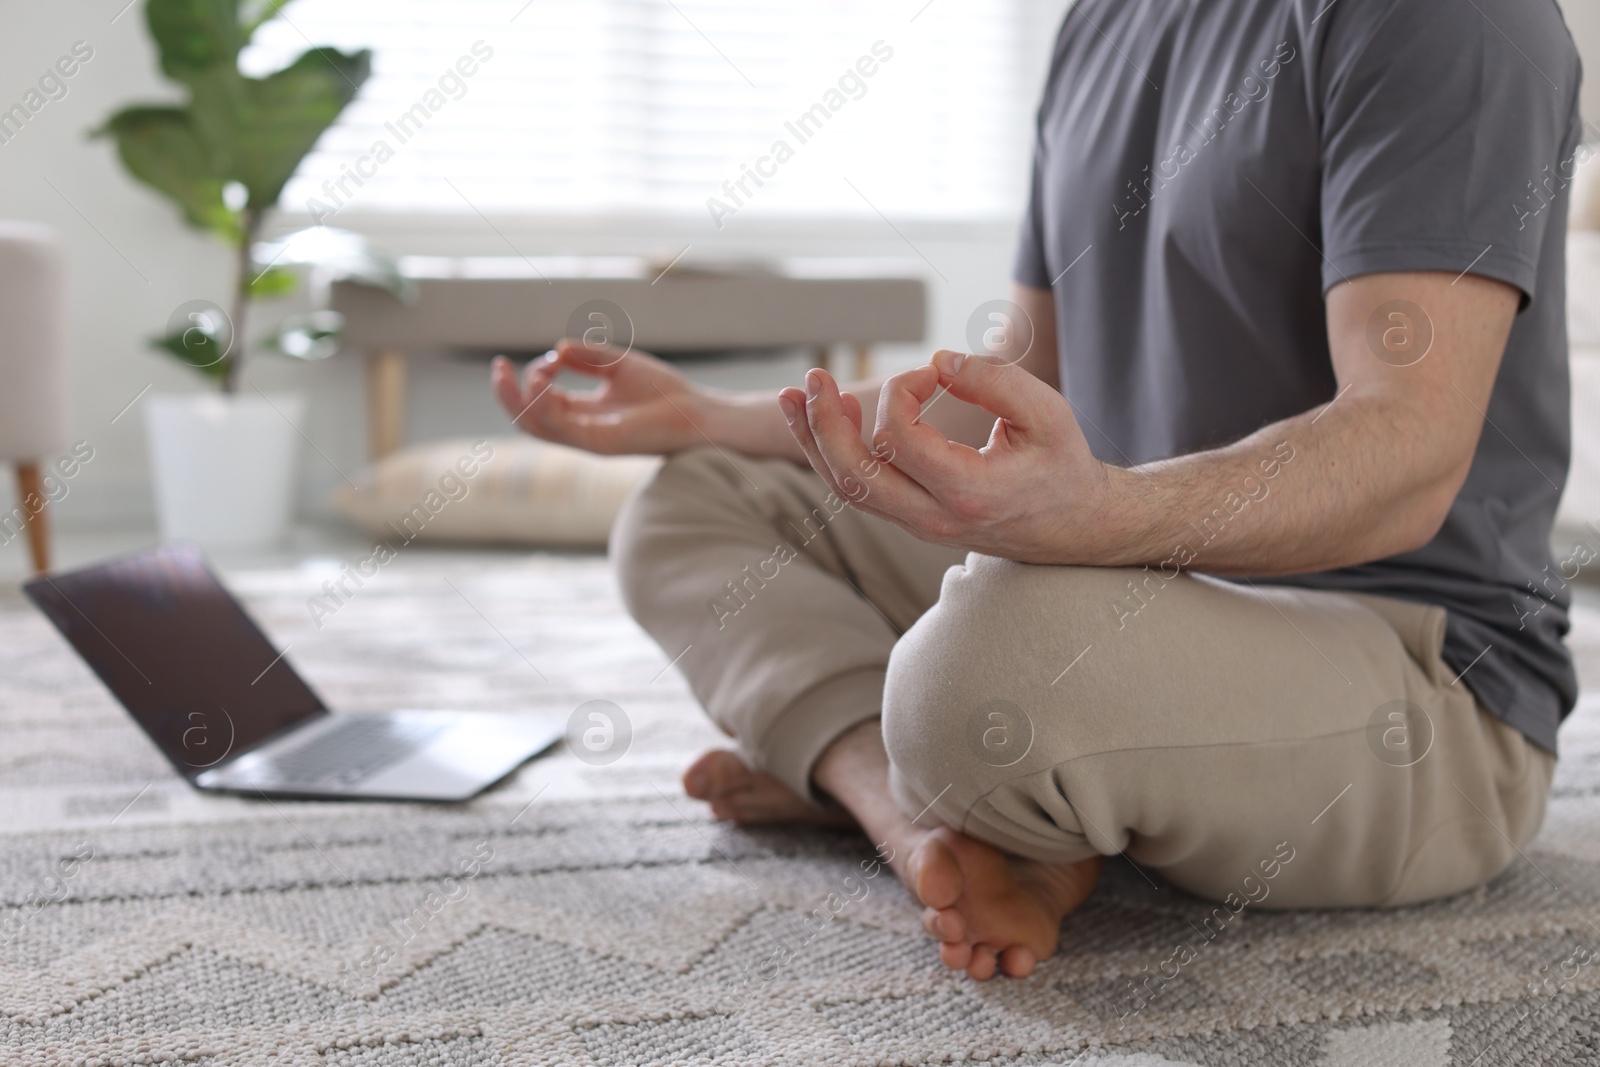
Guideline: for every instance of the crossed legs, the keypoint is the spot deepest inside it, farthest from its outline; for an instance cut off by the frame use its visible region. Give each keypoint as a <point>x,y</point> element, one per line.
<point>1002,727</point>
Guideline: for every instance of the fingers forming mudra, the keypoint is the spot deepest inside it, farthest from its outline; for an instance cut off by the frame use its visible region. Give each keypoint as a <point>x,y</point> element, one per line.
<point>641,405</point>
<point>988,499</point>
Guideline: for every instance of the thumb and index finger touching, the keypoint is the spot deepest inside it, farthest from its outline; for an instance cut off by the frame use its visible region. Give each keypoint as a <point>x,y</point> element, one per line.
<point>1002,389</point>
<point>524,395</point>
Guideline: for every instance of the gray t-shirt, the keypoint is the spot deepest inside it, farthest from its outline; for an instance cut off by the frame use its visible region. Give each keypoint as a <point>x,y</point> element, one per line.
<point>1205,170</point>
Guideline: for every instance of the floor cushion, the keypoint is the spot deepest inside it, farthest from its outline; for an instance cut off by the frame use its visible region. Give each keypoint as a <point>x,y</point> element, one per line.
<point>507,490</point>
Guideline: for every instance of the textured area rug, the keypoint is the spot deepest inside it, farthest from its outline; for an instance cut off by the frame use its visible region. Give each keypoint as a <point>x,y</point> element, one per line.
<point>591,915</point>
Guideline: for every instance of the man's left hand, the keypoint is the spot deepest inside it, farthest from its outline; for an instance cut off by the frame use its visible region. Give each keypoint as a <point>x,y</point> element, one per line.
<point>1029,494</point>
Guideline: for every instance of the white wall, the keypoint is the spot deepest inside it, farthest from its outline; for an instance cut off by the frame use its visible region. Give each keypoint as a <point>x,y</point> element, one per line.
<point>131,262</point>
<point>1583,19</point>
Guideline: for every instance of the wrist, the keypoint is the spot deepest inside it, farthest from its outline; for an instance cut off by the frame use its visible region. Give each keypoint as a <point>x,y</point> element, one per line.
<point>751,423</point>
<point>1119,518</point>
<point>723,417</point>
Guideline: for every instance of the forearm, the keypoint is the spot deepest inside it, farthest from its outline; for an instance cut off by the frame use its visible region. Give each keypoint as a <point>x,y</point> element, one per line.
<point>1346,483</point>
<point>748,423</point>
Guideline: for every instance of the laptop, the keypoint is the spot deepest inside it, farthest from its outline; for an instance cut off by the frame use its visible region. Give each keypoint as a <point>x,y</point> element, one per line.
<point>230,713</point>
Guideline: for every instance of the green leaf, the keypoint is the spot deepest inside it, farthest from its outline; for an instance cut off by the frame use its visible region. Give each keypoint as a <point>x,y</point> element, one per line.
<point>261,128</point>
<point>196,349</point>
<point>194,36</point>
<point>274,281</point>
<point>160,148</point>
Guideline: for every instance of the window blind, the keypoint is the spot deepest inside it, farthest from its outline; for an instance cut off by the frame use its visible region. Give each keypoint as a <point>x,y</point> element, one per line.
<point>732,110</point>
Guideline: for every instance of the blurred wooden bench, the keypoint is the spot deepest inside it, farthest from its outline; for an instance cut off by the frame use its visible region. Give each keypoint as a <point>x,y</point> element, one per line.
<point>516,305</point>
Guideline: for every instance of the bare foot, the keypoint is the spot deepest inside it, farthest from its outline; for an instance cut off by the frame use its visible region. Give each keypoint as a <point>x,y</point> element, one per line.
<point>741,795</point>
<point>990,911</point>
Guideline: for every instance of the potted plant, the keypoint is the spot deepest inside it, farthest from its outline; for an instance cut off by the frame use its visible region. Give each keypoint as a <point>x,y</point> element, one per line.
<point>223,462</point>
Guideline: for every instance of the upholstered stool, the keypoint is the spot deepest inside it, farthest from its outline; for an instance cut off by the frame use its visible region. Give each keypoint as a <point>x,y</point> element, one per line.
<point>33,377</point>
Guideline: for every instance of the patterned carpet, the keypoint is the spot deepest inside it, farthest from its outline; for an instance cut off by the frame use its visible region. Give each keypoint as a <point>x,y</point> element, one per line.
<point>591,915</point>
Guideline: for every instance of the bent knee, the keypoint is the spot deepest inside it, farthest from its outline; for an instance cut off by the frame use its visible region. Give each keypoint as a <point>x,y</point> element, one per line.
<point>971,684</point>
<point>649,528</point>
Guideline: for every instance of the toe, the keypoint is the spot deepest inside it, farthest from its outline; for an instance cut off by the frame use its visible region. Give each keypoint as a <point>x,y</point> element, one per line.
<point>982,963</point>
<point>715,773</point>
<point>698,779</point>
<point>936,874</point>
<point>947,925</point>
<point>1017,961</point>
<point>955,956</point>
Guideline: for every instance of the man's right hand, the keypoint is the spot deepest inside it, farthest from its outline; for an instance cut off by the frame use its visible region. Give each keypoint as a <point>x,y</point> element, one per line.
<point>642,405</point>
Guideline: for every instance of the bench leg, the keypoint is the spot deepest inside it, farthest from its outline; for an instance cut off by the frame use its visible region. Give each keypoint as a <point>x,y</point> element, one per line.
<point>386,402</point>
<point>33,502</point>
<point>863,362</point>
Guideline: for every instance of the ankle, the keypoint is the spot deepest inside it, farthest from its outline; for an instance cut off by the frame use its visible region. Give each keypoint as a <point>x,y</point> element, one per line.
<point>854,771</point>
<point>852,764</point>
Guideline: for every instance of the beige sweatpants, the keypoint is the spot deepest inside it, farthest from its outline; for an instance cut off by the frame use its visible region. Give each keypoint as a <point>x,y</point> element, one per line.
<point>1256,743</point>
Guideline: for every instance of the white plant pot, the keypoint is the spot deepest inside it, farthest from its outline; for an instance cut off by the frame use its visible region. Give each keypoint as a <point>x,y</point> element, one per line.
<point>224,466</point>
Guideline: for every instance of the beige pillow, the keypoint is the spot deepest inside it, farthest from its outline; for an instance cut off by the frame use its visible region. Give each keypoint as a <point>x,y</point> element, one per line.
<point>507,490</point>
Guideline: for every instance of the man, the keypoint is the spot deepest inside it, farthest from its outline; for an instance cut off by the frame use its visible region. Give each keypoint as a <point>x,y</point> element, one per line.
<point>1235,562</point>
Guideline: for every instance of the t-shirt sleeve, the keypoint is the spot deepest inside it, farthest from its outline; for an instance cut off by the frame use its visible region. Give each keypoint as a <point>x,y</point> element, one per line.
<point>1443,138</point>
<point>1029,267</point>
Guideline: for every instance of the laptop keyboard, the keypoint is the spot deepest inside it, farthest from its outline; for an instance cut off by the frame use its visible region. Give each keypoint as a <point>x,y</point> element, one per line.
<point>358,747</point>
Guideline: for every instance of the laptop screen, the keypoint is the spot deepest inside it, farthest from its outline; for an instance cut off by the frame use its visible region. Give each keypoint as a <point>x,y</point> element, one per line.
<point>179,652</point>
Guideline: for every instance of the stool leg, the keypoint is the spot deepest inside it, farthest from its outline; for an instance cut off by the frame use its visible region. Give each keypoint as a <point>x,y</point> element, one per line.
<point>38,527</point>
